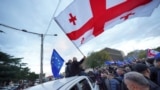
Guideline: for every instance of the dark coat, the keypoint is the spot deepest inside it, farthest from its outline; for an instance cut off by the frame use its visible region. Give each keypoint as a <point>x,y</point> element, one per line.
<point>155,75</point>
<point>153,86</point>
<point>75,67</point>
<point>68,69</point>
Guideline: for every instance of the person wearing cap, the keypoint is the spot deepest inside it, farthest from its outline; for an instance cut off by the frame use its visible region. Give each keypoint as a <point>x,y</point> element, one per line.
<point>155,71</point>
<point>144,70</point>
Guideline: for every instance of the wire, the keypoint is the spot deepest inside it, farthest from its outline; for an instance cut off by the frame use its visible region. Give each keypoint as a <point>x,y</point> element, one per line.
<point>22,30</point>
<point>10,27</point>
<point>52,18</point>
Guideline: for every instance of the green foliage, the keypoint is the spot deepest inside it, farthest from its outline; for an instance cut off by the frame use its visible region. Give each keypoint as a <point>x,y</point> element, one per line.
<point>13,69</point>
<point>158,49</point>
<point>96,59</point>
<point>142,54</point>
<point>32,76</point>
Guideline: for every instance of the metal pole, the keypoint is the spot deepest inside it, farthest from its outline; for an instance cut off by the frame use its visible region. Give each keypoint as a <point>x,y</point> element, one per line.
<point>41,63</point>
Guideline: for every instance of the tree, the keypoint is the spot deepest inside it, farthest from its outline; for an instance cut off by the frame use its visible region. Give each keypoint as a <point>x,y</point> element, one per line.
<point>8,66</point>
<point>11,68</point>
<point>96,59</point>
<point>32,76</point>
<point>158,49</point>
<point>142,54</point>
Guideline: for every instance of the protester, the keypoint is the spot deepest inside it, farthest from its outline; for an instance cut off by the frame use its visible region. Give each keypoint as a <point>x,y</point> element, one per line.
<point>68,68</point>
<point>144,69</point>
<point>155,71</point>
<point>120,72</point>
<point>75,66</point>
<point>136,81</point>
<point>150,62</point>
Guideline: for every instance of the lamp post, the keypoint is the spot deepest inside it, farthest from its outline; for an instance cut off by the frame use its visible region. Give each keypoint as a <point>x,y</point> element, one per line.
<point>41,53</point>
<point>42,39</point>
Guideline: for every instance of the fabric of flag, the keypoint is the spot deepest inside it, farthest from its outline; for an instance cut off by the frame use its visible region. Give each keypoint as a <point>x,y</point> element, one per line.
<point>157,56</point>
<point>126,62</point>
<point>56,63</point>
<point>120,63</point>
<point>151,53</point>
<point>130,59</point>
<point>109,62</point>
<point>84,19</point>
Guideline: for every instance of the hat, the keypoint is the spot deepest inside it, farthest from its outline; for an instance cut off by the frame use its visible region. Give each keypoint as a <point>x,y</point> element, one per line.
<point>139,67</point>
<point>157,57</point>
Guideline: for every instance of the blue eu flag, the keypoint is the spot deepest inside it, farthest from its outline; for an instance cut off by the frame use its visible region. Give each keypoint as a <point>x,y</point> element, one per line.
<point>56,63</point>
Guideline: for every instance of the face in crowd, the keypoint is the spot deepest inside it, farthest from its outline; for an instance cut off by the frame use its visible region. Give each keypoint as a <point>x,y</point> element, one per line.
<point>74,59</point>
<point>136,81</point>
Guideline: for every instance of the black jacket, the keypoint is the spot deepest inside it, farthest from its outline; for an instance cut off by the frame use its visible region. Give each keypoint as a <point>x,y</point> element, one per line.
<point>75,67</point>
<point>68,70</point>
<point>154,75</point>
<point>153,86</point>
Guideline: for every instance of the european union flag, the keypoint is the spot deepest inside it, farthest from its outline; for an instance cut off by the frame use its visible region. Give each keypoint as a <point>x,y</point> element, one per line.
<point>120,63</point>
<point>109,62</point>
<point>157,56</point>
<point>56,63</point>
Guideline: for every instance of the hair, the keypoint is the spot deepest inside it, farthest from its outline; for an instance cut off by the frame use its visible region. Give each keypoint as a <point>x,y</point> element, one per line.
<point>136,78</point>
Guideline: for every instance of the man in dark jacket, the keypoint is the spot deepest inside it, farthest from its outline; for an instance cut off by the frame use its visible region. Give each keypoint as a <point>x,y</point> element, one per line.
<point>68,68</point>
<point>143,69</point>
<point>155,71</point>
<point>75,66</point>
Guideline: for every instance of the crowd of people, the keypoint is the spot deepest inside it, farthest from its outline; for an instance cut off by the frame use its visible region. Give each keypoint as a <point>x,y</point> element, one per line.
<point>73,67</point>
<point>20,85</point>
<point>138,75</point>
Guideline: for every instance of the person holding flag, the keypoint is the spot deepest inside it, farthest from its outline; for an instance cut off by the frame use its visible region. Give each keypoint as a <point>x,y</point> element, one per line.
<point>76,68</point>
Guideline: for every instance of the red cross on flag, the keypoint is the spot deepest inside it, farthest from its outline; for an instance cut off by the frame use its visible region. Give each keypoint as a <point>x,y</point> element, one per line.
<point>151,53</point>
<point>84,19</point>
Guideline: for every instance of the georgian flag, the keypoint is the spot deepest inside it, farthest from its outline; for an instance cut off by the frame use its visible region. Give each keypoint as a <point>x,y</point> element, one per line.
<point>152,53</point>
<point>84,19</point>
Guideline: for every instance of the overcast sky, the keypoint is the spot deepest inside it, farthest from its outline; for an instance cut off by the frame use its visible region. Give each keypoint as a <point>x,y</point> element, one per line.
<point>35,15</point>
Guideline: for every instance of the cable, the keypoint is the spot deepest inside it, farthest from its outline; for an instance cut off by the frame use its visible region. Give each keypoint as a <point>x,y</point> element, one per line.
<point>22,30</point>
<point>52,18</point>
<point>2,31</point>
<point>10,27</point>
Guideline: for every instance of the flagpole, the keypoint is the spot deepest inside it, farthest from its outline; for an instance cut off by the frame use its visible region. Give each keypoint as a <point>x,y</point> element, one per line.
<point>63,30</point>
<point>78,49</point>
<point>52,18</point>
<point>68,38</point>
<point>76,46</point>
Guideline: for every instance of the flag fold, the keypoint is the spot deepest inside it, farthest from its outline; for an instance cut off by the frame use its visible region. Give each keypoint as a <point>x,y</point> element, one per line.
<point>56,63</point>
<point>83,20</point>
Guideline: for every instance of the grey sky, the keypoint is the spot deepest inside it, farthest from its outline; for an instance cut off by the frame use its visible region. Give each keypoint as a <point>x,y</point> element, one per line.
<point>35,15</point>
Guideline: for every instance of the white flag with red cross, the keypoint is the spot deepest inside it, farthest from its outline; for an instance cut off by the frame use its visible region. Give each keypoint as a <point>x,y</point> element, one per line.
<point>84,19</point>
<point>152,53</point>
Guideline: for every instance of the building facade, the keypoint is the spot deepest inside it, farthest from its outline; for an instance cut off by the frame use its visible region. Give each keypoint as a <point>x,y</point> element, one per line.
<point>114,54</point>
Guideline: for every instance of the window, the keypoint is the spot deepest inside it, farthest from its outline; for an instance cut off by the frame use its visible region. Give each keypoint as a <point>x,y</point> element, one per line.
<point>84,85</point>
<point>75,87</point>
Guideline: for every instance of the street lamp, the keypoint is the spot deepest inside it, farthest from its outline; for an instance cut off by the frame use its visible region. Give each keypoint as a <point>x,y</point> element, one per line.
<point>42,38</point>
<point>41,61</point>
